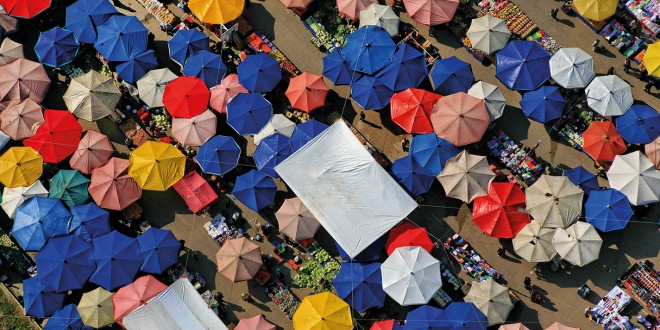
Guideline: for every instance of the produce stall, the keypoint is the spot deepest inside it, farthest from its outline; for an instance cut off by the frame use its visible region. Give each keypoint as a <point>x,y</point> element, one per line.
<point>572,124</point>
<point>159,11</point>
<point>607,311</point>
<point>643,282</point>
<point>328,29</point>
<point>13,255</point>
<point>647,13</point>
<point>459,25</point>
<point>471,262</point>
<point>283,297</point>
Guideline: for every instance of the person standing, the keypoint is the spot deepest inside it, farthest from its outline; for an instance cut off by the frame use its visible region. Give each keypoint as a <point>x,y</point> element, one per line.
<point>362,116</point>
<point>626,65</point>
<point>501,252</point>
<point>554,12</point>
<point>527,282</point>
<point>647,87</point>
<point>610,71</point>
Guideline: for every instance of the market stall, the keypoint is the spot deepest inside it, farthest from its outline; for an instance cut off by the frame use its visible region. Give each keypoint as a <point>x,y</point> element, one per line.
<point>515,157</point>
<point>643,282</point>
<point>471,262</point>
<point>619,37</point>
<point>159,11</point>
<point>220,232</point>
<point>647,13</point>
<point>574,122</point>
<point>283,297</point>
<point>459,25</point>
<point>608,310</point>
<point>13,254</point>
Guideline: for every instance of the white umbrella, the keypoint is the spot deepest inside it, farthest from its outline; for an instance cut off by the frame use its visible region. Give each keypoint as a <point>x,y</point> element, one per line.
<point>572,68</point>
<point>295,220</point>
<point>534,243</point>
<point>488,34</point>
<point>492,97</point>
<point>411,276</point>
<point>92,96</point>
<point>12,198</point>
<point>636,177</point>
<point>578,244</point>
<point>466,177</point>
<point>10,50</point>
<point>277,124</point>
<point>152,86</point>
<point>492,299</point>
<point>609,95</point>
<point>196,130</point>
<point>380,15</point>
<point>554,201</point>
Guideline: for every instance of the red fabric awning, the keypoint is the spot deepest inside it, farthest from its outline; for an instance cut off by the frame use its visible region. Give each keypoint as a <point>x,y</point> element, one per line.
<point>196,192</point>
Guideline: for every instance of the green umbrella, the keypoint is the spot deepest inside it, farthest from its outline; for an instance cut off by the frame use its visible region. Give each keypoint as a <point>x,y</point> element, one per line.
<point>70,186</point>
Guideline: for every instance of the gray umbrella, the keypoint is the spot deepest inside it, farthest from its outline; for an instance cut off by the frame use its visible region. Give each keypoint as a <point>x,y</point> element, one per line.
<point>380,15</point>
<point>9,24</point>
<point>92,96</point>
<point>10,50</point>
<point>152,86</point>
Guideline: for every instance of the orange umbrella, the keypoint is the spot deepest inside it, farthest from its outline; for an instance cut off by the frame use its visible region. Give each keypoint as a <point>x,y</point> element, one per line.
<point>431,12</point>
<point>460,119</point>
<point>352,8</point>
<point>221,94</point>
<point>20,120</point>
<point>307,92</point>
<point>23,79</point>
<point>136,294</point>
<point>652,151</point>
<point>602,142</point>
<point>238,259</point>
<point>111,187</point>
<point>410,109</point>
<point>94,150</point>
<point>299,4</point>
<point>255,323</point>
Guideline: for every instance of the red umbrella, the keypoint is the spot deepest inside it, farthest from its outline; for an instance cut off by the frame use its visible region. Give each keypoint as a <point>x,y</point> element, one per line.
<point>411,108</point>
<point>498,214</point>
<point>196,192</point>
<point>24,8</point>
<point>94,150</point>
<point>460,119</point>
<point>307,92</point>
<point>385,325</point>
<point>602,142</point>
<point>111,187</point>
<point>136,294</point>
<point>58,137</point>
<point>186,97</point>
<point>225,91</point>
<point>408,234</point>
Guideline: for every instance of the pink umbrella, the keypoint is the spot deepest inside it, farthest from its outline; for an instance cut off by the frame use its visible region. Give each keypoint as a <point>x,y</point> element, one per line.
<point>23,79</point>
<point>295,220</point>
<point>225,91</point>
<point>255,323</point>
<point>94,150</point>
<point>20,120</point>
<point>352,8</point>
<point>460,119</point>
<point>431,12</point>
<point>196,130</point>
<point>300,4</point>
<point>652,151</point>
<point>111,187</point>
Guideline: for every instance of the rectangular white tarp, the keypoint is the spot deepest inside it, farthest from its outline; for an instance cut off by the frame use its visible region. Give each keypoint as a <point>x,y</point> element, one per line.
<point>349,193</point>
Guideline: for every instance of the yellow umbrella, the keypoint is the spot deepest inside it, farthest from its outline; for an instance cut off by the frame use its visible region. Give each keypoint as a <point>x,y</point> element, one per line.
<point>216,11</point>
<point>20,167</point>
<point>156,165</point>
<point>652,59</point>
<point>596,10</point>
<point>323,311</point>
<point>96,309</point>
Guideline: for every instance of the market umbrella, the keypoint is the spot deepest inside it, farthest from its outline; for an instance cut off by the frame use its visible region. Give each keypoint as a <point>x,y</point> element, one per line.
<point>652,59</point>
<point>513,326</point>
<point>488,34</point>
<point>408,234</point>
<point>380,15</point>
<point>323,311</point>
<point>295,220</point>
<point>238,259</point>
<point>387,325</point>
<point>652,151</point>
<point>636,177</point>
<point>92,96</point>
<point>121,38</point>
<point>20,167</point>
<point>96,308</point>
<point>84,16</point>
<point>582,178</point>
<point>460,119</point>
<point>156,165</point>
<point>56,47</point>
<point>500,213</point>
<point>94,150</point>
<point>336,69</point>
<point>225,91</point>
<point>20,120</point>
<point>206,66</point>
<point>8,24</point>
<point>185,43</point>
<point>10,50</point>
<point>544,104</point>
<point>118,260</point>
<point>89,221</point>
<point>216,11</point>
<point>259,73</point>
<point>368,49</point>
<point>410,109</point>
<point>111,187</point>
<point>360,285</point>
<point>12,198</point>
<point>65,263</point>
<point>609,95</point>
<point>255,190</point>
<point>186,97</point>
<point>602,142</point>
<point>432,152</point>
<point>431,12</point>
<point>352,8</point>
<point>24,9</point>
<point>534,243</point>
<point>639,125</point>
<point>277,124</point>
<point>135,68</point>
<point>411,276</point>
<point>578,244</point>
<point>371,253</point>
<point>218,155</point>
<point>463,316</point>
<point>307,92</point>
<point>554,201</point>
<point>407,69</point>
<point>270,152</point>
<point>255,323</point>
<point>296,4</point>
<point>607,210</point>
<point>492,299</point>
<point>493,98</point>
<point>522,65</point>
<point>134,295</point>
<point>371,93</point>
<point>466,177</point>
<point>37,220</point>
<point>151,87</point>
<point>21,79</point>
<point>451,75</point>
<point>415,178</point>
<point>572,68</point>
<point>559,326</point>
<point>70,186</point>
<point>196,192</point>
<point>195,131</point>
<point>159,249</point>
<point>66,318</point>
<point>249,113</point>
<point>596,10</point>
<point>305,132</point>
<point>425,317</point>
<point>39,303</point>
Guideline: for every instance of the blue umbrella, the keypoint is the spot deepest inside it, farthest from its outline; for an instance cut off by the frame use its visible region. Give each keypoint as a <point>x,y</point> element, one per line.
<point>607,210</point>
<point>159,249</point>
<point>83,16</point>
<point>248,113</point>
<point>218,155</point>
<point>463,316</point>
<point>39,303</point>
<point>206,66</point>
<point>259,73</point>
<point>121,38</point>
<point>335,68</point>
<point>371,93</point>
<point>414,177</point>
<point>138,66</point>
<point>89,221</point>
<point>586,180</point>
<point>407,70</point>
<point>368,49</point>
<point>305,132</point>
<point>544,104</point>
<point>56,47</point>
<point>360,285</point>
<point>271,151</point>
<point>451,75</point>
<point>118,260</point>
<point>255,190</point>
<point>65,263</point>
<point>185,43</point>
<point>66,318</point>
<point>425,317</point>
<point>523,65</point>
<point>373,252</point>
<point>39,219</point>
<point>639,125</point>
<point>432,152</point>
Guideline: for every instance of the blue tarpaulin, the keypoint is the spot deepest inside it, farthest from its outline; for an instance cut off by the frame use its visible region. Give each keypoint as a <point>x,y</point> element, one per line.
<point>259,73</point>
<point>38,219</point>
<point>121,38</point>
<point>360,285</point>
<point>248,113</point>
<point>586,180</point>
<point>607,210</point>
<point>65,263</point>
<point>413,177</point>
<point>206,66</point>
<point>368,49</point>
<point>371,93</point>
<point>118,260</point>
<point>218,155</point>
<point>159,249</point>
<point>39,303</point>
<point>451,75</point>
<point>544,104</point>
<point>432,152</point>
<point>137,66</point>
<point>89,221</point>
<point>185,43</point>
<point>56,47</point>
<point>335,68</point>
<point>407,69</point>
<point>255,189</point>
<point>84,16</point>
<point>522,65</point>
<point>639,125</point>
<point>305,132</point>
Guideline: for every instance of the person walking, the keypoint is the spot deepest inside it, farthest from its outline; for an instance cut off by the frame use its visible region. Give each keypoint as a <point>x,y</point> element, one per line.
<point>527,282</point>
<point>501,252</point>
<point>405,145</point>
<point>362,116</point>
<point>626,65</point>
<point>610,71</point>
<point>554,12</point>
<point>647,87</point>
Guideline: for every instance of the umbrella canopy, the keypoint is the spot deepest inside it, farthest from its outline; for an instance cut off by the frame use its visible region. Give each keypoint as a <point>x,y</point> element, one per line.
<point>305,132</point>
<point>134,295</point>
<point>218,155</point>
<point>24,9</point>
<point>431,12</point>
<point>602,142</point>
<point>277,124</point>
<point>185,43</point>
<point>216,11</point>
<point>21,79</point>
<point>295,220</point>
<point>118,260</point>
<point>297,4</point>
<point>652,151</point>
<point>159,249</point>
<point>10,50</point>
<point>544,104</point>
<point>152,86</point>
<point>652,59</point>
<point>307,92</point>
<point>94,150</point>
<point>360,285</point>
<point>451,75</point>
<point>432,152</point>
<point>582,178</point>
<point>463,316</point>
<point>411,108</point>
<point>493,98</point>
<point>488,34</point>
<point>225,91</point>
<point>20,167</point>
<point>206,66</point>
<point>636,177</point>
<point>499,213</point>
<point>111,187</point>
<point>270,152</point>
<point>466,177</point>
<point>380,15</point>
<point>554,201</point>
<point>353,8</point>
<point>336,69</point>
<point>249,113</point>
<point>121,38</point>
<point>65,263</point>
<point>460,119</point>
<point>255,323</point>
<point>66,318</point>
<point>255,190</point>
<point>56,47</point>
<point>407,69</point>
<point>195,131</point>
<point>96,308</point>
<point>607,210</point>
<point>186,97</point>
<point>70,186</point>
<point>58,137</point>
<point>323,311</point>
<point>411,276</point>
<point>259,73</point>
<point>578,244</point>
<point>39,219</point>
<point>84,16</point>
<point>388,324</point>
<point>368,49</point>
<point>513,326</point>
<point>196,192</point>
<point>92,96</point>
<point>596,10</point>
<point>89,221</point>
<point>534,243</point>
<point>12,198</point>
<point>135,68</point>
<point>39,303</point>
<point>415,178</point>
<point>559,326</point>
<point>425,317</point>
<point>408,234</point>
<point>371,253</point>
<point>492,299</point>
<point>572,68</point>
<point>238,259</point>
<point>156,165</point>
<point>609,95</point>
<point>371,93</point>
<point>639,125</point>
<point>523,65</point>
<point>8,24</point>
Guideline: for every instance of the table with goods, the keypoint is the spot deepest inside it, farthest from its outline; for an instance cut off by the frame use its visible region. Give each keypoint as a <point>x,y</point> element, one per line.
<point>282,296</point>
<point>514,157</point>
<point>471,262</point>
<point>179,270</point>
<point>643,282</point>
<point>329,30</point>
<point>618,36</point>
<point>159,11</point>
<point>220,232</point>
<point>571,126</point>
<point>608,309</point>
<point>647,13</point>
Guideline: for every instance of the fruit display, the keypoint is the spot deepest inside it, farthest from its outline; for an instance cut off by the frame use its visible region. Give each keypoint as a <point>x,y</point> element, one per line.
<point>158,10</point>
<point>13,253</point>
